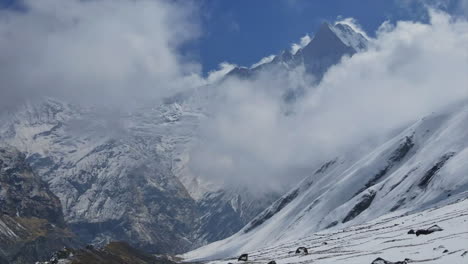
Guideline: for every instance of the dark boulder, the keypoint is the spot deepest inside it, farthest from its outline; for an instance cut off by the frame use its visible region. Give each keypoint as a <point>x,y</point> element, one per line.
<point>430,230</point>
<point>243,257</point>
<point>302,250</point>
<point>272,262</point>
<point>383,261</point>
<point>411,232</point>
<point>89,247</point>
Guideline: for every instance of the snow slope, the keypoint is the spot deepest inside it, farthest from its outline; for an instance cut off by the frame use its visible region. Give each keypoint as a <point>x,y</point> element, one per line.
<point>386,237</point>
<point>420,168</point>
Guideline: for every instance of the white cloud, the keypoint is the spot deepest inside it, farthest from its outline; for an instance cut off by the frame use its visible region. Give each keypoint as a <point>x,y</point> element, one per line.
<point>111,51</point>
<point>263,61</point>
<point>302,43</point>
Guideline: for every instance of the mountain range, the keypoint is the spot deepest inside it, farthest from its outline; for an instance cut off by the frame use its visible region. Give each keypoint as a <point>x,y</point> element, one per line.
<point>94,175</point>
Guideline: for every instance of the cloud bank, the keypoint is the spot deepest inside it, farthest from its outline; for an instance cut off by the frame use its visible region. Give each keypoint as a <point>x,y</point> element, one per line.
<point>125,52</point>
<point>410,70</point>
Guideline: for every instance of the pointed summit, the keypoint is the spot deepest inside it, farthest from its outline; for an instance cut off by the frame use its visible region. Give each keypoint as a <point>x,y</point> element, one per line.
<point>325,50</point>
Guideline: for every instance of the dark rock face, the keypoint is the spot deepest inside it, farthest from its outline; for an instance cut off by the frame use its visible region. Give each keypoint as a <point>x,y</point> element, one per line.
<point>426,179</point>
<point>302,250</point>
<point>243,257</point>
<point>363,204</point>
<point>31,220</point>
<point>325,50</point>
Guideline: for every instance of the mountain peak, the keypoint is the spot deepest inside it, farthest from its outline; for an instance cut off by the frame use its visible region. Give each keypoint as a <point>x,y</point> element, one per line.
<point>324,31</point>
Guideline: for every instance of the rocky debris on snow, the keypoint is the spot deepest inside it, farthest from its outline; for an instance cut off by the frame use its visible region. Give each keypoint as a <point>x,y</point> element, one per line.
<point>112,253</point>
<point>464,253</point>
<point>243,257</point>
<point>272,262</point>
<point>430,230</point>
<point>411,232</point>
<point>383,261</point>
<point>302,250</point>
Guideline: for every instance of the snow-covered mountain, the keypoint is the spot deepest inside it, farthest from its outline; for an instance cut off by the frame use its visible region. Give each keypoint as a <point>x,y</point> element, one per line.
<point>327,47</point>
<point>124,176</point>
<point>422,167</point>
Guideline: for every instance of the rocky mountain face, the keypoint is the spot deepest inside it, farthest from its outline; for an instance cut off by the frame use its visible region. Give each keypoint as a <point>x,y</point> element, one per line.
<point>32,225</point>
<point>421,168</point>
<point>124,177</point>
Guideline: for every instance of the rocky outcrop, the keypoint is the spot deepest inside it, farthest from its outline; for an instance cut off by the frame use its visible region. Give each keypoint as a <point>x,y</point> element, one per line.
<point>32,225</point>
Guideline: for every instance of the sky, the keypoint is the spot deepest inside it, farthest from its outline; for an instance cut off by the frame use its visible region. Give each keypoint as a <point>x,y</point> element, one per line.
<point>124,54</point>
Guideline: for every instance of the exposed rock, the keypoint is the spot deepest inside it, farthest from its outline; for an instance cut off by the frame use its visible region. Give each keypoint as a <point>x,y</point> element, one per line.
<point>423,183</point>
<point>31,220</point>
<point>383,261</point>
<point>430,230</point>
<point>363,204</point>
<point>243,257</point>
<point>302,250</point>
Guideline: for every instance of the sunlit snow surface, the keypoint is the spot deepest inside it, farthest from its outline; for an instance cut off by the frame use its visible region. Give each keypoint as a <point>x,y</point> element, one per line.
<point>385,237</point>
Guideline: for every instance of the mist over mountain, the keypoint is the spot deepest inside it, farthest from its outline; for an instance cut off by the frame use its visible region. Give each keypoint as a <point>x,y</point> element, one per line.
<point>109,132</point>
